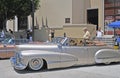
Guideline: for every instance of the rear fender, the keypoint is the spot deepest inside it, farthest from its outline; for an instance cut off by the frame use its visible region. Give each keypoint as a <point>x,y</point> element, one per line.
<point>107,56</point>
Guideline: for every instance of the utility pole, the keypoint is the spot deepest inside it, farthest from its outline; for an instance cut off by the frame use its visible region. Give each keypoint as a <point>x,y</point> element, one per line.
<point>33,10</point>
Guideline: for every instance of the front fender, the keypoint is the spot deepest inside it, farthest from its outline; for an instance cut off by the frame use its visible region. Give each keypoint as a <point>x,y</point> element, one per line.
<point>53,59</point>
<point>107,56</point>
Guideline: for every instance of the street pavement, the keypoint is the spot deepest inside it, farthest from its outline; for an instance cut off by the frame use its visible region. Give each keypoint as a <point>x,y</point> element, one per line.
<point>94,71</point>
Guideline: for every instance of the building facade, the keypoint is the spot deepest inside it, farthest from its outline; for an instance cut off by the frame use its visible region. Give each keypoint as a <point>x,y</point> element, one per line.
<point>56,13</point>
<point>111,13</point>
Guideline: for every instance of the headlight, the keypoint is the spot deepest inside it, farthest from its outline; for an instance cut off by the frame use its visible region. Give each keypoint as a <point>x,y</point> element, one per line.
<point>18,57</point>
<point>21,59</point>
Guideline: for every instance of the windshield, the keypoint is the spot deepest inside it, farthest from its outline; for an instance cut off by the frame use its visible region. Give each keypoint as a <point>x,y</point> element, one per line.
<point>57,39</point>
<point>62,40</point>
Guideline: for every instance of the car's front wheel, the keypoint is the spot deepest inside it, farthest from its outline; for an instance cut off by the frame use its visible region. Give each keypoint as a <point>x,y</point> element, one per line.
<point>36,64</point>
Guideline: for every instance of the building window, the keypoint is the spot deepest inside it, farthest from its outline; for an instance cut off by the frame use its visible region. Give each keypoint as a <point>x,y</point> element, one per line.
<point>22,23</point>
<point>67,20</point>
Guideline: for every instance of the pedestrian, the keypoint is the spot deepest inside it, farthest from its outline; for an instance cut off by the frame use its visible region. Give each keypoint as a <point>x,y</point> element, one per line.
<point>2,34</point>
<point>99,34</point>
<point>28,34</point>
<point>52,34</point>
<point>86,36</point>
<point>64,34</point>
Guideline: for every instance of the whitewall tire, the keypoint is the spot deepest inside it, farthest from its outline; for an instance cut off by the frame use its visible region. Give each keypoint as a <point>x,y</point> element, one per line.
<point>36,64</point>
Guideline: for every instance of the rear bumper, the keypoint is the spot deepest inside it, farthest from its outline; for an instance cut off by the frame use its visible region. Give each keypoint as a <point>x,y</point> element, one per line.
<point>16,65</point>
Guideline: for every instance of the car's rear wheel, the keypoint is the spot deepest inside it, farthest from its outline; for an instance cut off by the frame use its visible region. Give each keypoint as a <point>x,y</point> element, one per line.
<point>36,64</point>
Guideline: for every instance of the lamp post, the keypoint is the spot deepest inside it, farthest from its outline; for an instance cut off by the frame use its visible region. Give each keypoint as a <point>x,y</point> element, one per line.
<point>33,10</point>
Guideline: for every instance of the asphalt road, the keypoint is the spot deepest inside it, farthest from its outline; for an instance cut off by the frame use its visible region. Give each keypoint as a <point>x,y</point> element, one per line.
<point>95,71</point>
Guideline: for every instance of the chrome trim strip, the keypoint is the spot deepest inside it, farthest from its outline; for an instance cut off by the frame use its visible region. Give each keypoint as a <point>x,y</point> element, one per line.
<point>108,57</point>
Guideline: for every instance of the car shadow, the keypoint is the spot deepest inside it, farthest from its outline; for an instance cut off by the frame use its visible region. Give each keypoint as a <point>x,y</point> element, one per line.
<point>113,63</point>
<point>4,58</point>
<point>26,71</point>
<point>49,70</point>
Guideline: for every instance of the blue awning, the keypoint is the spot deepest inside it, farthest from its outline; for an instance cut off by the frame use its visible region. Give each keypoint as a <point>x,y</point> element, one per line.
<point>115,24</point>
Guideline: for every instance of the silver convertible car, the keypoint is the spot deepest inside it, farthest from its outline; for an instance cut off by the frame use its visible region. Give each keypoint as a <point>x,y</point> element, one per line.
<point>61,55</point>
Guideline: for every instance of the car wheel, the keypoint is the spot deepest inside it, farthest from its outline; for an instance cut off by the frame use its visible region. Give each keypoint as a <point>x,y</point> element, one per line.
<point>36,64</point>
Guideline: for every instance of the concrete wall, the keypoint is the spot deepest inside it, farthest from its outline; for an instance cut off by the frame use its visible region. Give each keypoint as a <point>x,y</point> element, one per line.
<point>59,32</point>
<point>41,35</point>
<point>76,30</point>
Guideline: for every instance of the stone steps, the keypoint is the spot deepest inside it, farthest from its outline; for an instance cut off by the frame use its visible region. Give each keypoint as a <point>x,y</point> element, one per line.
<point>108,39</point>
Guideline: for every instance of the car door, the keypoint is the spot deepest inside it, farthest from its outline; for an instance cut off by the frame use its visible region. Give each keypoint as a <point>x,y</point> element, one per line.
<point>79,52</point>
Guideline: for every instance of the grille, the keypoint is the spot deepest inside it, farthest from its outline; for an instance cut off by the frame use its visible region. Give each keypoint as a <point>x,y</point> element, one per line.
<point>17,56</point>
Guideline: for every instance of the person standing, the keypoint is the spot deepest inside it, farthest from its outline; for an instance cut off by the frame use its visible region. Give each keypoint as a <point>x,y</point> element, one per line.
<point>28,34</point>
<point>52,34</point>
<point>64,34</point>
<point>2,34</point>
<point>86,36</point>
<point>99,34</point>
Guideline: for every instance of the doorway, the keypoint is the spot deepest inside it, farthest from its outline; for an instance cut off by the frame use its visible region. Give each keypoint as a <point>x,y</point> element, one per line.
<point>92,17</point>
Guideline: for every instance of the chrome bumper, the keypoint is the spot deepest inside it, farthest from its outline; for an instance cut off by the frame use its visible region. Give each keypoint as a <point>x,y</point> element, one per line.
<point>16,65</point>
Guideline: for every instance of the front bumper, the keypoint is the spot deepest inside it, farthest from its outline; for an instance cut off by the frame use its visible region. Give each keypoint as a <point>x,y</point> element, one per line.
<point>16,65</point>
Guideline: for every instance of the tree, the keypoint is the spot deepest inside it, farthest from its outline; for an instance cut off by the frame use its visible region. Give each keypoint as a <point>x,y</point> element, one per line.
<point>11,8</point>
